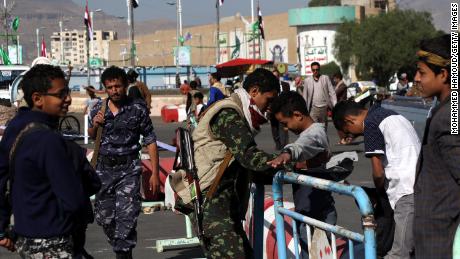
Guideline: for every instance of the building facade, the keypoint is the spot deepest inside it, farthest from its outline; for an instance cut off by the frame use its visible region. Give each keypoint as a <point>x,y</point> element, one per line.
<point>71,47</point>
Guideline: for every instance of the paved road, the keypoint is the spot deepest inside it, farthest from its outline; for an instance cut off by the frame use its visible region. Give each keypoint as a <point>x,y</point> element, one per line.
<point>165,224</point>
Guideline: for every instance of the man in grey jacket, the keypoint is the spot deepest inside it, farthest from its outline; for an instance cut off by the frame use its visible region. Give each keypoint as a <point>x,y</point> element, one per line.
<point>319,94</point>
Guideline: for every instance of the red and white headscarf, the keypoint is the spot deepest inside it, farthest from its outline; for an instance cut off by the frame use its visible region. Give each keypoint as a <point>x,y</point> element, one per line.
<point>252,114</point>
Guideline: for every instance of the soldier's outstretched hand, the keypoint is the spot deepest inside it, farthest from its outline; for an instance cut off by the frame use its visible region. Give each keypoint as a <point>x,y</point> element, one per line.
<point>7,243</point>
<point>280,160</point>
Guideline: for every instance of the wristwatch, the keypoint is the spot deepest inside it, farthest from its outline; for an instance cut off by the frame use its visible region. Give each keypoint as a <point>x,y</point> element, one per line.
<point>286,150</point>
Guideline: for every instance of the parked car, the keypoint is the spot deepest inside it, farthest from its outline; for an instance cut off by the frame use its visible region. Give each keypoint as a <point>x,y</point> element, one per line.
<point>359,87</point>
<point>75,88</point>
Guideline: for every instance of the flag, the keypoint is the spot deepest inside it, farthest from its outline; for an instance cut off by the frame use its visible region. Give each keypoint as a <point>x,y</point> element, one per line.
<point>43,54</point>
<point>236,51</point>
<point>5,58</point>
<point>188,36</point>
<point>89,27</point>
<point>260,23</point>
<point>135,3</point>
<point>15,24</point>
<point>221,2</point>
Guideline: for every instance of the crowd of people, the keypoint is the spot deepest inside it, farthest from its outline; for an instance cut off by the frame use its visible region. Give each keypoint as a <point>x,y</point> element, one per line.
<point>417,181</point>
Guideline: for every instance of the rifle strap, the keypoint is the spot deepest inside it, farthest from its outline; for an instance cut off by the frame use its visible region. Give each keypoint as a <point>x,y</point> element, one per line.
<point>29,128</point>
<point>213,188</point>
<point>97,143</point>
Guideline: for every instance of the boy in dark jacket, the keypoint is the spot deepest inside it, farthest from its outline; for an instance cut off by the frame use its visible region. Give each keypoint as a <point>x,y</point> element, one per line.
<point>47,193</point>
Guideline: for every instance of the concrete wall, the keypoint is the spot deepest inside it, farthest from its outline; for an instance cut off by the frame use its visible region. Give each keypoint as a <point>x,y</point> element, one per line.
<point>78,103</point>
<point>157,49</point>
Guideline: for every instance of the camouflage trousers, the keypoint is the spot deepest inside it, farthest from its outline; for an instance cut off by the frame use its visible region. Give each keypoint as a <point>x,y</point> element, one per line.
<point>224,236</point>
<point>118,204</point>
<point>44,248</point>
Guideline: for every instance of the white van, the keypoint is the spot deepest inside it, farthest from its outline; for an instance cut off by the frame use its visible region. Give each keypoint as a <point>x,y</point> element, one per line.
<point>8,75</point>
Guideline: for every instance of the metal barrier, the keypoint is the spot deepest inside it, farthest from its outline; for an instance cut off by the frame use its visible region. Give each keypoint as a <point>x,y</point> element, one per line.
<point>356,192</point>
<point>456,246</point>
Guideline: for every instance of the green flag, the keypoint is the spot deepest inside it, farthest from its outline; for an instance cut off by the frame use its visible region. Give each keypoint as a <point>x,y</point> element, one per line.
<point>15,23</point>
<point>5,58</point>
<point>255,27</point>
<point>236,51</point>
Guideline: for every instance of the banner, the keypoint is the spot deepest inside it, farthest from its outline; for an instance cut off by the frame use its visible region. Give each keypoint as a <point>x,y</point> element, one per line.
<point>223,47</point>
<point>183,56</point>
<point>277,50</point>
<point>237,49</point>
<point>15,55</point>
<point>314,54</point>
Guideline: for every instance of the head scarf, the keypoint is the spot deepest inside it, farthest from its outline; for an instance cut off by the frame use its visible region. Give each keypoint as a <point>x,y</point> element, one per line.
<point>432,58</point>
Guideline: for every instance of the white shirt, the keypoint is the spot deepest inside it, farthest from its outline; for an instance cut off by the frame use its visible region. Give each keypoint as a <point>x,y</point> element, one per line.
<point>393,136</point>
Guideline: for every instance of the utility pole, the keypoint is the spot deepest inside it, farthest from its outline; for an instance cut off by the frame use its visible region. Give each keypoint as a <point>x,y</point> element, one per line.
<point>218,32</point>
<point>131,32</point>
<point>61,43</point>
<point>178,42</point>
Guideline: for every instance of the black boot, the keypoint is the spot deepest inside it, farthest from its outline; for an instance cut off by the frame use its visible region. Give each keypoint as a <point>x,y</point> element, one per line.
<point>124,255</point>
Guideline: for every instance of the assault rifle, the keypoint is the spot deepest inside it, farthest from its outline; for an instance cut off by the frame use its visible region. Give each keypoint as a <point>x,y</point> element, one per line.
<point>185,161</point>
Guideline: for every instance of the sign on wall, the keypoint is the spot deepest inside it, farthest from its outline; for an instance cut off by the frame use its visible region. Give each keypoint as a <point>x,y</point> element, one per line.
<point>277,50</point>
<point>314,54</point>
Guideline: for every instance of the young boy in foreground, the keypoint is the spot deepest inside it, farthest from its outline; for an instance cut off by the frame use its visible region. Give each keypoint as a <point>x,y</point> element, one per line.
<point>47,192</point>
<point>437,185</point>
<point>311,148</point>
<point>392,144</point>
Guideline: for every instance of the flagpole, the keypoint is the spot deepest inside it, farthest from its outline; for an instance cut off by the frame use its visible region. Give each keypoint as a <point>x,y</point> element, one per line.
<point>252,11</point>
<point>6,27</point>
<point>131,31</point>
<point>88,82</point>
<point>88,37</point>
<point>218,31</point>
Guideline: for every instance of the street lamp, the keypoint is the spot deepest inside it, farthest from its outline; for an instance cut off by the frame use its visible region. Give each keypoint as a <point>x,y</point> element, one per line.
<point>178,33</point>
<point>61,40</point>
<point>38,40</point>
<point>94,30</point>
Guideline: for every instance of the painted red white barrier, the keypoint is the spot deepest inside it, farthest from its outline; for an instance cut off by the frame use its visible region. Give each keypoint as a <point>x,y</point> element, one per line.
<point>173,113</point>
<point>270,243</point>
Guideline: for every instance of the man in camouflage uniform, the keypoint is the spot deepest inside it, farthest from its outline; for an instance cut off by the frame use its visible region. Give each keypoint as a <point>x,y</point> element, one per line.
<point>118,203</point>
<point>235,130</point>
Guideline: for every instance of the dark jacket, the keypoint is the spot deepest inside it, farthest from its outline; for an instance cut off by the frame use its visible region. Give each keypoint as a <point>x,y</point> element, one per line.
<point>341,91</point>
<point>437,187</point>
<point>47,192</point>
<point>285,86</point>
<point>90,181</point>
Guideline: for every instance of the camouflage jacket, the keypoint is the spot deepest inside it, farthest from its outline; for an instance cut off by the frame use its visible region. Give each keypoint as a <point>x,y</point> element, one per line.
<point>121,132</point>
<point>230,128</point>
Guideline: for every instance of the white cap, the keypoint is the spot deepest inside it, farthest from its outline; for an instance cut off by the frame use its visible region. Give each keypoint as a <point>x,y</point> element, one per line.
<point>41,61</point>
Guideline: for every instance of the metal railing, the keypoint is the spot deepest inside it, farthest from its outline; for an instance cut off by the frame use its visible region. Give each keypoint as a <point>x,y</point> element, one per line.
<point>356,192</point>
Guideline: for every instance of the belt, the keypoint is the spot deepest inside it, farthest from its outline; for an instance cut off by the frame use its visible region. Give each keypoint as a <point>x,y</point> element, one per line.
<point>117,160</point>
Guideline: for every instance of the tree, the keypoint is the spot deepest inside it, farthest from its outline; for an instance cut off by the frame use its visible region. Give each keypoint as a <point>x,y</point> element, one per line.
<point>314,3</point>
<point>381,45</point>
<point>330,69</point>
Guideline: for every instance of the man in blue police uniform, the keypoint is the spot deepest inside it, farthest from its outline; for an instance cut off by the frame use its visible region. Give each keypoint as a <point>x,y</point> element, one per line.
<point>118,203</point>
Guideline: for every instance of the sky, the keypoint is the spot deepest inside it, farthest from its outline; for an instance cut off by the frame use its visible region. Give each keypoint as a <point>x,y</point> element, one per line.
<point>193,11</point>
<point>203,11</point>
